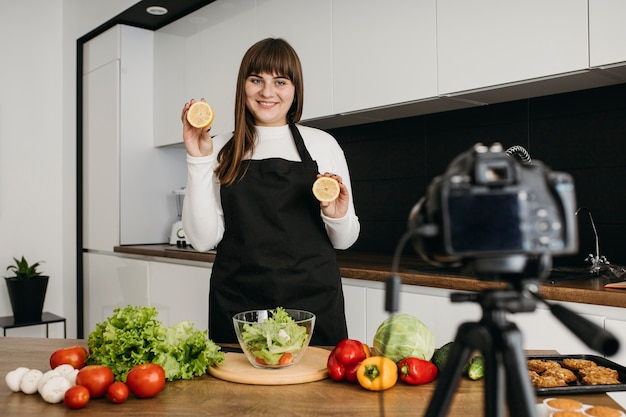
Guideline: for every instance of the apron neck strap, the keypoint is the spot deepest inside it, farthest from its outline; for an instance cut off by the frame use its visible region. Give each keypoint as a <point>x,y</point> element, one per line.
<point>297,137</point>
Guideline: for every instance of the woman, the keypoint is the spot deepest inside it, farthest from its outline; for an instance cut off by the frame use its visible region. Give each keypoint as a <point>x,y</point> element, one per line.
<point>249,195</point>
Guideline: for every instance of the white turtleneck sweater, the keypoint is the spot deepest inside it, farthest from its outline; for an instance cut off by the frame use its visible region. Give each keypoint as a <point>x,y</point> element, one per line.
<point>203,218</point>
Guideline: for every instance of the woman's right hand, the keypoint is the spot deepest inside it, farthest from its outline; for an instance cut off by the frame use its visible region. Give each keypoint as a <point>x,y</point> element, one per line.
<point>198,142</point>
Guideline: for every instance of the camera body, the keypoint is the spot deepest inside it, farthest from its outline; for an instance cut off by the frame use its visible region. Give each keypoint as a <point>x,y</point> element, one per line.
<point>489,205</point>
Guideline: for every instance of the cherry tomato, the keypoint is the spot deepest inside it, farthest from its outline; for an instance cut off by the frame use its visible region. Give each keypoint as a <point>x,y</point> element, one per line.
<point>76,397</point>
<point>74,355</point>
<point>286,359</point>
<point>146,380</point>
<point>117,392</point>
<point>97,379</point>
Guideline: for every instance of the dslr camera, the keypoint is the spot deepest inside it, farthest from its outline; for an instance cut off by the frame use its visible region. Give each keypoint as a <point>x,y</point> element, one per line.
<point>495,211</point>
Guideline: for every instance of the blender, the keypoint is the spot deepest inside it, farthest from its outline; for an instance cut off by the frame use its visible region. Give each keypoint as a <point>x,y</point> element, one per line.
<point>177,236</point>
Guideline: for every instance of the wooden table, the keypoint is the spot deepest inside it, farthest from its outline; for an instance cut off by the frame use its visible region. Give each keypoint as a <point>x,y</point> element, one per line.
<point>208,396</point>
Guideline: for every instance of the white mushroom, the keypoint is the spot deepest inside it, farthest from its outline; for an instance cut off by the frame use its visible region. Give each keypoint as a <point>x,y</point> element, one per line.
<point>64,369</point>
<point>72,377</point>
<point>14,378</point>
<point>29,382</point>
<point>53,391</point>
<point>46,377</point>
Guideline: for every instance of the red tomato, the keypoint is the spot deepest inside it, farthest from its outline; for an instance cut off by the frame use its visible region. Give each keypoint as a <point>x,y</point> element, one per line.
<point>97,379</point>
<point>117,392</point>
<point>76,397</point>
<point>286,359</point>
<point>146,380</point>
<point>75,356</point>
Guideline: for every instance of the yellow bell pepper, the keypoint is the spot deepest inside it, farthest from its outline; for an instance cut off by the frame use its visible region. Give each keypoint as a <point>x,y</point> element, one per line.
<point>377,373</point>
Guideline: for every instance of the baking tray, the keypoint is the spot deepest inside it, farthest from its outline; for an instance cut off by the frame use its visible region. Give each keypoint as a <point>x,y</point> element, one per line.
<point>577,387</point>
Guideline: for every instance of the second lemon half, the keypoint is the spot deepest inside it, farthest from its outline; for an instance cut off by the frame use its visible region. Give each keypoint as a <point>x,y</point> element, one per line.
<point>326,189</point>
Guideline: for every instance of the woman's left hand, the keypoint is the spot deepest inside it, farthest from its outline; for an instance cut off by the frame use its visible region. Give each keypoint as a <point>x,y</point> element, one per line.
<point>339,207</point>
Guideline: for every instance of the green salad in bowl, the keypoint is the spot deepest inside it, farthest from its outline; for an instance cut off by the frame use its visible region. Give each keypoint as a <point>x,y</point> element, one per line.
<point>274,338</point>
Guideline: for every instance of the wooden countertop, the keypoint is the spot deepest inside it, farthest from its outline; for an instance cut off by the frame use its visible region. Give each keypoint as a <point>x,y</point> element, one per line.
<point>375,267</point>
<point>210,396</point>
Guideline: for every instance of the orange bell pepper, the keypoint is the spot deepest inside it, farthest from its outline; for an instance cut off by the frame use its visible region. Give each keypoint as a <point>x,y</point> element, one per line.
<point>377,373</point>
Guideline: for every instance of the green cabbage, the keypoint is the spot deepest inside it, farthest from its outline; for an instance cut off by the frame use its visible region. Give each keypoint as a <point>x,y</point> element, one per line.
<point>402,336</point>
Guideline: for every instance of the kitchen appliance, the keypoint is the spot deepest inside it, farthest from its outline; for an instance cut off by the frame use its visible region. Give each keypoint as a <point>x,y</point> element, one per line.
<point>177,235</point>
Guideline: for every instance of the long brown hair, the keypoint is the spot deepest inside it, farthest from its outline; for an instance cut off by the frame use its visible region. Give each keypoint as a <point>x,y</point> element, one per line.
<point>274,56</point>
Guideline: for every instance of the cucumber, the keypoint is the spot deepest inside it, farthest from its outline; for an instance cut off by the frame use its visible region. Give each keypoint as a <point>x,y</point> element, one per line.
<point>476,368</point>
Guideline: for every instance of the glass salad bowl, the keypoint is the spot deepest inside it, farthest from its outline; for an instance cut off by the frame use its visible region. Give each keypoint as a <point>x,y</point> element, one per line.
<point>274,339</point>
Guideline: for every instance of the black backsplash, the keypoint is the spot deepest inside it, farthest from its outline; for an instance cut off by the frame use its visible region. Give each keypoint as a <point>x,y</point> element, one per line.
<point>583,133</point>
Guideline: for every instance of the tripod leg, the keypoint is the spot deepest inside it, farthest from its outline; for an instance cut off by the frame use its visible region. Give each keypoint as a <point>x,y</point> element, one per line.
<point>495,372</point>
<point>449,378</point>
<point>520,394</point>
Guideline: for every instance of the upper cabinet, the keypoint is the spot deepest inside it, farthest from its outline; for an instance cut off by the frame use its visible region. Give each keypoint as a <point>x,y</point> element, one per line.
<point>366,60</point>
<point>485,43</point>
<point>198,57</point>
<point>384,53</point>
<point>128,184</point>
<point>307,26</point>
<point>607,34</point>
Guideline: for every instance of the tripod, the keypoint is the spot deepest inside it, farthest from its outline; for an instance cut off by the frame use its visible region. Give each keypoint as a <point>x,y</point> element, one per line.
<point>500,341</point>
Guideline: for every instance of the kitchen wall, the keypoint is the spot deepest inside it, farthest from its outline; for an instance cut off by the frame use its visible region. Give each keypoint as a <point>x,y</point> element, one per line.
<point>38,142</point>
<point>583,133</point>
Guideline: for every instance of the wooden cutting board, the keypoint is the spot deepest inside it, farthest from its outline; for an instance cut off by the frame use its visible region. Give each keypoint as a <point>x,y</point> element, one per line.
<point>236,368</point>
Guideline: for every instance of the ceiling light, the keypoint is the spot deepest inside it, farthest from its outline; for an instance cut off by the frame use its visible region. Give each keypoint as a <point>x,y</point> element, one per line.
<point>156,10</point>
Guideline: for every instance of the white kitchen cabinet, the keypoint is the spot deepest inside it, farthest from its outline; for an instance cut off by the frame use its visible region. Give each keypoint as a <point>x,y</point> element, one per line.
<point>180,292</point>
<point>618,328</point>
<point>542,331</point>
<point>101,197</point>
<point>365,309</point>
<point>486,43</point>
<point>607,33</point>
<point>169,88</point>
<point>355,297</point>
<point>307,27</point>
<point>431,306</point>
<point>127,183</point>
<point>383,53</point>
<point>112,282</point>
<point>198,56</point>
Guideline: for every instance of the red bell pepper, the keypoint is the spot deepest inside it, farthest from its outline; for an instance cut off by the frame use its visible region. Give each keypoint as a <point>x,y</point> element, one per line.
<point>345,358</point>
<point>416,371</point>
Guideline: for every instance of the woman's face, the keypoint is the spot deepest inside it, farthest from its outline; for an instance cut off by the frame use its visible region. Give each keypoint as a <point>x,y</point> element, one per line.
<point>269,97</point>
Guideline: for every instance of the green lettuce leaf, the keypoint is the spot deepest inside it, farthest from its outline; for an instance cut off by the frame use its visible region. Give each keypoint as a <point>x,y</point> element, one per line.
<point>133,335</point>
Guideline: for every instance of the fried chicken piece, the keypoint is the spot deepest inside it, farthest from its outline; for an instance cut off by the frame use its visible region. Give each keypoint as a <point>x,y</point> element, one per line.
<point>577,364</point>
<point>540,365</point>
<point>549,382</point>
<point>562,373</point>
<point>598,370</point>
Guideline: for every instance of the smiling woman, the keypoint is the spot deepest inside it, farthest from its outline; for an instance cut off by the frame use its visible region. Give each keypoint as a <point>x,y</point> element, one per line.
<point>250,194</point>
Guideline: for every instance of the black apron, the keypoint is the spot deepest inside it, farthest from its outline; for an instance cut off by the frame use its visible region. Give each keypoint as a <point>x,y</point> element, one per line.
<point>275,251</point>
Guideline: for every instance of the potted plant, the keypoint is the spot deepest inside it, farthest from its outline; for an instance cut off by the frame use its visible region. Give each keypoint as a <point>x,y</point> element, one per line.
<point>27,291</point>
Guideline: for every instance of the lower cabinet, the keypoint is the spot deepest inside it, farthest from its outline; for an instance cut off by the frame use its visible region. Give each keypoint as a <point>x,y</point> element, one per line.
<point>618,328</point>
<point>365,310</point>
<point>178,291</point>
